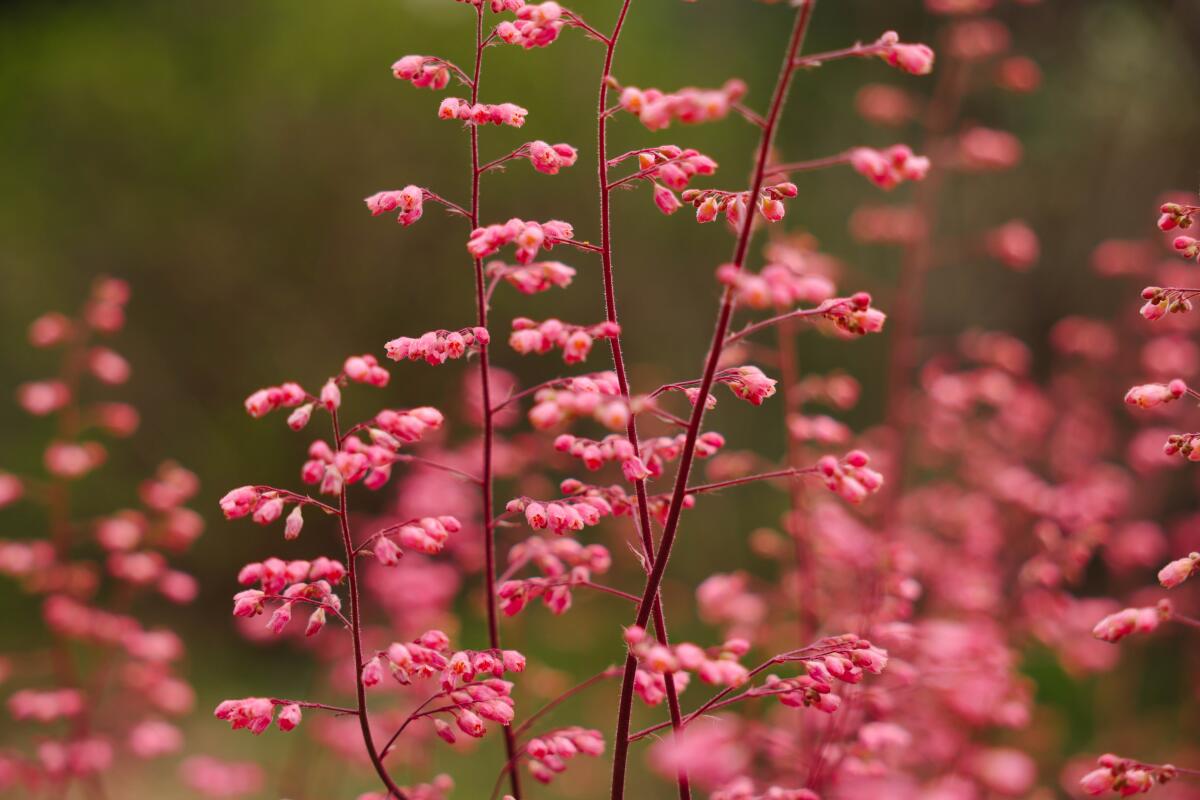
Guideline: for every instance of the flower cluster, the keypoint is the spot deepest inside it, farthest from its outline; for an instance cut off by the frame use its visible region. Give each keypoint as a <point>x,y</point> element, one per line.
<point>657,110</point>
<point>635,465</point>
<point>564,563</point>
<point>103,655</point>
<point>482,113</point>
<point>529,237</point>
<point>597,396</point>
<point>537,25</point>
<point>308,584</point>
<point>1116,627</point>
<point>256,714</point>
<point>775,286</point>
<point>410,201</point>
<point>540,276</point>
<point>572,514</point>
<point>709,203</point>
<point>854,316</point>
<point>850,478</point>
<point>548,159</point>
<point>549,753</point>
<point>749,383</point>
<point>1161,301</point>
<point>575,341</point>
<point>1124,776</point>
<point>718,665</point>
<point>423,72</point>
<point>436,347</point>
<point>888,168</point>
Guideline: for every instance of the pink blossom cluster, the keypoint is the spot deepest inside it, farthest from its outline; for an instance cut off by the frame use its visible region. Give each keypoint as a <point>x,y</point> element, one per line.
<point>549,753</point>
<point>537,25</point>
<point>103,655</point>
<point>422,72</point>
<point>509,114</point>
<point>1124,776</point>
<point>776,285</point>
<point>575,341</point>
<point>256,714</point>
<point>1161,301</point>
<point>540,276</point>
<point>1116,627</point>
<point>436,347</point>
<point>647,461</point>
<point>548,159</point>
<point>559,516</point>
<point>564,563</point>
<point>529,238</point>
<point>719,665</point>
<point>657,110</point>
<point>850,478</point>
<point>748,382</point>
<point>410,201</point>
<point>596,395</point>
<point>888,168</point>
<point>710,203</point>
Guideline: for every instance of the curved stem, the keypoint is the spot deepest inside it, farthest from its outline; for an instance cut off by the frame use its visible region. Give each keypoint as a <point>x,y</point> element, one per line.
<point>489,427</point>
<point>654,580</point>
<point>364,721</point>
<point>654,603</point>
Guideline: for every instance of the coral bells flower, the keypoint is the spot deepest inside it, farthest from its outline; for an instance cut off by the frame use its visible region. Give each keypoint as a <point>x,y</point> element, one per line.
<point>915,59</point>
<point>365,369</point>
<point>1178,570</point>
<point>549,159</point>
<point>1150,395</point>
<point>409,200</point>
<point>889,168</point>
<point>422,72</point>
<point>1187,247</point>
<point>252,713</point>
<point>1174,215</point>
<point>575,341</point>
<point>850,478</point>
<point>854,315</point>
<point>529,237</point>
<point>482,113</point>
<point>572,514</point>
<point>537,25</point>
<point>657,110</point>
<point>43,397</point>
<point>550,752</point>
<point>1116,627</point>
<point>264,401</point>
<point>748,383</point>
<point>239,502</point>
<point>1160,302</point>
<point>711,202</point>
<point>533,278</point>
<point>435,347</point>
<point>1125,776</point>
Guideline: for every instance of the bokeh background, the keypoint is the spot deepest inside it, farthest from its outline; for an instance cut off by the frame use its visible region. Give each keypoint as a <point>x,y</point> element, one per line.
<point>215,155</point>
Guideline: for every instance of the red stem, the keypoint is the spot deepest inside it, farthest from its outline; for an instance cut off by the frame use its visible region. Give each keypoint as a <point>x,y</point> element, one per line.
<point>652,601</point>
<point>654,580</point>
<point>481,316</point>
<point>364,720</point>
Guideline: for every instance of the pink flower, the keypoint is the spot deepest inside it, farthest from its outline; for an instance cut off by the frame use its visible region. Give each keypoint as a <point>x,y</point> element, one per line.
<point>239,502</point>
<point>1178,570</point>
<point>409,201</point>
<point>289,717</point>
<point>915,59</point>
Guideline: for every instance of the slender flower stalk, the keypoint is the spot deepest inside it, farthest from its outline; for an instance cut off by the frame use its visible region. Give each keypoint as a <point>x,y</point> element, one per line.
<point>654,580</point>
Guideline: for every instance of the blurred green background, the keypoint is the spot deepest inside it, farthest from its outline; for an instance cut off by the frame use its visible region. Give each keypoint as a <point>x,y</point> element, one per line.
<point>215,155</point>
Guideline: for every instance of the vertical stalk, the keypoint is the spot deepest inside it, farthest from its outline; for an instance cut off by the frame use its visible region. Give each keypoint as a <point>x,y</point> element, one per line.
<point>610,308</point>
<point>481,319</point>
<point>654,580</point>
<point>364,721</point>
